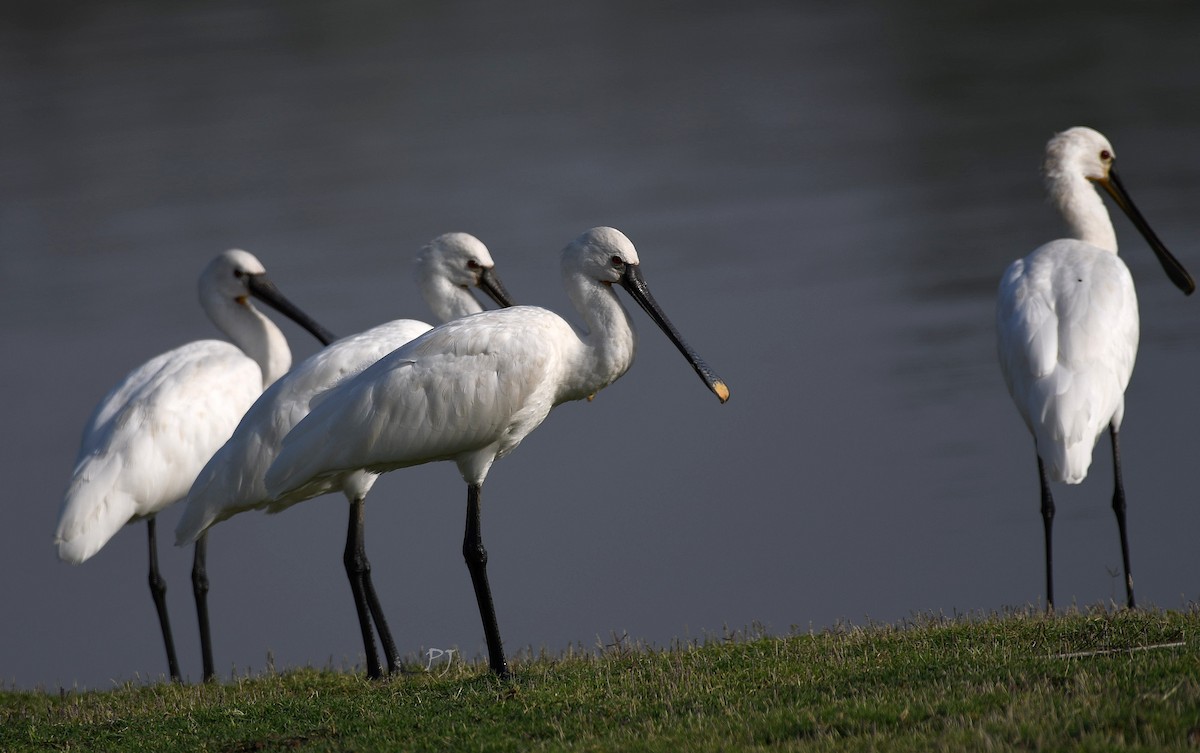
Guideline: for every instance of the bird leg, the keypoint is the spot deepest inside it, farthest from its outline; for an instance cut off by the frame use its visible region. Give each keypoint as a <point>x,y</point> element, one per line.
<point>1118,505</point>
<point>1048,524</point>
<point>158,590</point>
<point>355,559</point>
<point>381,626</point>
<point>476,557</point>
<point>368,587</point>
<point>200,591</point>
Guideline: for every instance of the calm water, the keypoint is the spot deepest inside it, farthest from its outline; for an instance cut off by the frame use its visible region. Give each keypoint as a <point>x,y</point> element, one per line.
<point>824,197</point>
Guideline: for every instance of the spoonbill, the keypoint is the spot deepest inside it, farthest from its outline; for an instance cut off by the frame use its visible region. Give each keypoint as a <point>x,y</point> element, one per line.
<point>149,437</point>
<point>232,481</point>
<point>1067,326</point>
<point>470,390</point>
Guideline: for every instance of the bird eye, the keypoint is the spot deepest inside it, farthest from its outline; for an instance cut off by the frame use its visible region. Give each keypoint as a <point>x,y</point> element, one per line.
<point>472,264</point>
<point>618,262</point>
<point>239,273</point>
<point>1105,155</point>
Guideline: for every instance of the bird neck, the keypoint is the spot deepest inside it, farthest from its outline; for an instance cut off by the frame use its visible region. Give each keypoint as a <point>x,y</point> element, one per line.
<point>447,300</point>
<point>607,340</point>
<point>255,334</point>
<point>1084,211</point>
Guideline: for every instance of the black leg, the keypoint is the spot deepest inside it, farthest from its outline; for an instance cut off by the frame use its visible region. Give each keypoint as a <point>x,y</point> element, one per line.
<point>200,590</point>
<point>1048,524</point>
<point>1119,508</point>
<point>476,557</point>
<point>381,626</point>
<point>158,590</point>
<point>356,563</point>
<point>368,589</point>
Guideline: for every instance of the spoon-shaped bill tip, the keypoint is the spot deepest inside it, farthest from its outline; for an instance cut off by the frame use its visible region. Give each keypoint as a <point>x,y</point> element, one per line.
<point>702,369</point>
<point>721,390</point>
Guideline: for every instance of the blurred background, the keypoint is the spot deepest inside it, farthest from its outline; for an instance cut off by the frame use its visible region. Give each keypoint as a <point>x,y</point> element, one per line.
<point>824,196</point>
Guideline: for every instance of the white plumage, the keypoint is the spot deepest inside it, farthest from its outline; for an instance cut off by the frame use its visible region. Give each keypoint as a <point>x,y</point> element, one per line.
<point>1067,324</point>
<point>232,481</point>
<point>150,436</point>
<point>1068,332</point>
<point>471,390</point>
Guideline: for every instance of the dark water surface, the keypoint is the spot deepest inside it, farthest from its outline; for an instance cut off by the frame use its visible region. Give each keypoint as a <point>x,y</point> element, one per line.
<point>824,196</point>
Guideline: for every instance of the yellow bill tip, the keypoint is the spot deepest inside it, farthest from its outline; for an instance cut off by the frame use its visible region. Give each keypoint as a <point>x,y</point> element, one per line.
<point>721,390</point>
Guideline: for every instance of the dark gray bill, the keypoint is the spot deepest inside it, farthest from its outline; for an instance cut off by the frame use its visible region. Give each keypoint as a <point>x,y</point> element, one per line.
<point>632,281</point>
<point>1170,264</point>
<point>490,284</point>
<point>264,290</point>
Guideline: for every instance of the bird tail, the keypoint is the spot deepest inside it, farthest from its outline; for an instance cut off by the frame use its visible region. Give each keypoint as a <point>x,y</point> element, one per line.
<point>93,510</point>
<point>1075,414</point>
<point>197,517</point>
<point>224,488</point>
<point>290,469</point>
<point>1067,463</point>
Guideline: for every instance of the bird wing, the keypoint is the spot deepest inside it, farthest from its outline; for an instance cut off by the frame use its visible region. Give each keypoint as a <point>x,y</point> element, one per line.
<point>474,385</point>
<point>150,437</point>
<point>1067,333</point>
<point>1026,329</point>
<point>232,480</point>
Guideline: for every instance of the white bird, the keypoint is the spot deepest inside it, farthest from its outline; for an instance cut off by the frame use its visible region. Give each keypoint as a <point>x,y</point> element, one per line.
<point>1067,326</point>
<point>232,481</point>
<point>470,390</point>
<point>149,437</point>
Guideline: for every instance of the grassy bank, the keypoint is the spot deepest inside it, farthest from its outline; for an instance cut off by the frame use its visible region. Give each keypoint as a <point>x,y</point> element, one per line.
<point>1083,681</point>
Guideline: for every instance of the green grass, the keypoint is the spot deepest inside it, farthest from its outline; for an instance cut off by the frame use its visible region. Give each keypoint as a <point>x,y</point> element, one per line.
<point>1090,681</point>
